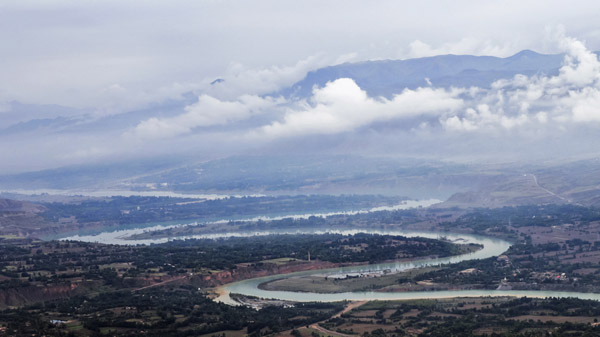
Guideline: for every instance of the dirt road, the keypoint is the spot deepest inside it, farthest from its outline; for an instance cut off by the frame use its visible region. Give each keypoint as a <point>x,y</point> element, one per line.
<point>161,283</point>
<point>349,307</point>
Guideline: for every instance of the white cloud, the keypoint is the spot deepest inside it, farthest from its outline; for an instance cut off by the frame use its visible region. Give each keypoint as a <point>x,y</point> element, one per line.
<point>349,57</point>
<point>208,111</point>
<point>586,105</point>
<point>542,117</point>
<point>518,104</point>
<point>116,98</point>
<point>571,96</point>
<point>241,80</point>
<point>581,67</point>
<point>465,46</point>
<point>343,106</point>
<point>457,124</point>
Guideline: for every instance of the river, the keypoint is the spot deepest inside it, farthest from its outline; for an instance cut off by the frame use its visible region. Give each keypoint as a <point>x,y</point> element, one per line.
<point>122,236</point>
<point>491,247</point>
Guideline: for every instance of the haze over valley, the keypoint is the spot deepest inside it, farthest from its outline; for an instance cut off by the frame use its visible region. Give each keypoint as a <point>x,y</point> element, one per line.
<point>305,169</point>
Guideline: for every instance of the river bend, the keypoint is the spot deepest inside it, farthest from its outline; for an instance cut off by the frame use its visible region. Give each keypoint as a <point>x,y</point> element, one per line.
<point>491,247</point>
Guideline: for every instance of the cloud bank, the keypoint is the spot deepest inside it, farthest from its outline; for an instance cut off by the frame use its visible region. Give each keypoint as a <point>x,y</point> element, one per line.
<point>75,52</point>
<point>518,104</point>
<point>208,111</point>
<point>245,114</point>
<point>342,106</point>
<point>564,100</point>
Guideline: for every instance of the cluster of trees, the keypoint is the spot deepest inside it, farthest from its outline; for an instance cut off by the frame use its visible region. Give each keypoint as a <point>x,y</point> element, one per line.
<point>526,260</point>
<point>224,253</point>
<point>56,262</point>
<point>487,276</point>
<point>524,216</point>
<point>180,311</point>
<point>469,325</point>
<point>498,316</point>
<point>455,318</point>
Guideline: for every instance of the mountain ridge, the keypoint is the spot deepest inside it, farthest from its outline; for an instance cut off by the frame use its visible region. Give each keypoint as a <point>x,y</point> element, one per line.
<point>393,76</point>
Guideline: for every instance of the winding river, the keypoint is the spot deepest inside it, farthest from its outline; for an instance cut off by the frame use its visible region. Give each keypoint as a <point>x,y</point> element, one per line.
<point>491,247</point>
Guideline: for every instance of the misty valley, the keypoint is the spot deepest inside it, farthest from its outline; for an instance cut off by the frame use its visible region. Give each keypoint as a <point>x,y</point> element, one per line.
<point>300,168</point>
<point>302,246</point>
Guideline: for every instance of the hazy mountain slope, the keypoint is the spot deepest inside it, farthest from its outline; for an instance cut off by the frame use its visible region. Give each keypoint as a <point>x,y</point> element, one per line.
<point>317,174</point>
<point>465,185</point>
<point>14,206</point>
<point>92,176</point>
<point>19,217</point>
<point>573,182</point>
<point>275,174</point>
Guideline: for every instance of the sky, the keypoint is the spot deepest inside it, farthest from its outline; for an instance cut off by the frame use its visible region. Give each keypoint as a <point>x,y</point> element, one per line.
<point>91,61</point>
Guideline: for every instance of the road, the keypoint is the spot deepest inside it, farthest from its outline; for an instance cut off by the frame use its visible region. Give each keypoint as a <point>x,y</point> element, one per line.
<point>349,307</point>
<point>535,181</point>
<point>162,283</point>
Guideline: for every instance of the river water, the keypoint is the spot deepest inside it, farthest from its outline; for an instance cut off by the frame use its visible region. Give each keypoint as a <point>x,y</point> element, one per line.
<point>122,236</point>
<point>123,193</point>
<point>491,247</point>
